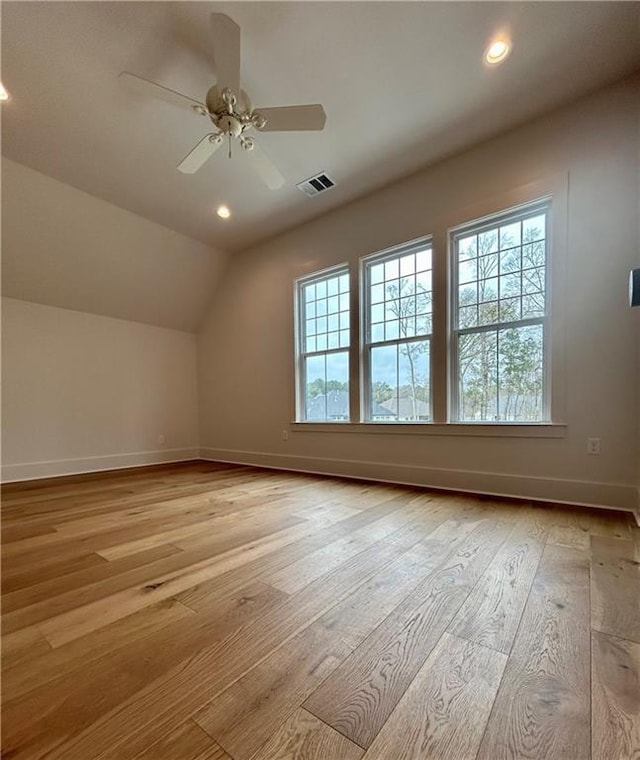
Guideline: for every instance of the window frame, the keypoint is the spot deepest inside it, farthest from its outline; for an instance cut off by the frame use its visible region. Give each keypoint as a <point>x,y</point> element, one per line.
<point>436,224</point>
<point>365,344</point>
<point>301,355</point>
<point>476,226</point>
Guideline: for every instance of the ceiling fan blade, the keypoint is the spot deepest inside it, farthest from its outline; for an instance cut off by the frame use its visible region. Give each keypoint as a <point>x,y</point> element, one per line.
<point>226,52</point>
<point>146,87</point>
<point>265,168</point>
<point>203,151</point>
<point>293,118</point>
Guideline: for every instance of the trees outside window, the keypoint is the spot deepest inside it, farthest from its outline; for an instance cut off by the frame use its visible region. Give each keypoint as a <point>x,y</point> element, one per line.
<point>500,317</point>
<point>496,334</point>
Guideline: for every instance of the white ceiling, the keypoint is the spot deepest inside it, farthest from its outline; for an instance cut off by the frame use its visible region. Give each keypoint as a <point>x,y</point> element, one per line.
<point>403,84</point>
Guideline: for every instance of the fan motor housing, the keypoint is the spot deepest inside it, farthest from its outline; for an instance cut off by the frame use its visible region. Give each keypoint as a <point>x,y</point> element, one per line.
<point>229,125</point>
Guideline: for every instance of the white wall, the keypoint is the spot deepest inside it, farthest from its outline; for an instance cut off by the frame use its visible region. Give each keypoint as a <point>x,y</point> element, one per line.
<point>246,368</point>
<point>63,247</point>
<point>83,392</point>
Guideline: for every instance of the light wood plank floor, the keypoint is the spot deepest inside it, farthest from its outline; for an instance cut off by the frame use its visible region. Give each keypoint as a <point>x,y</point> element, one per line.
<point>211,612</point>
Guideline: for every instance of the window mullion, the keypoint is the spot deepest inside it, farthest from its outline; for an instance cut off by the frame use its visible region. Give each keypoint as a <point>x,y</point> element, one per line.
<point>439,361</point>
<point>354,346</point>
<point>502,325</point>
<point>306,355</point>
<point>398,341</point>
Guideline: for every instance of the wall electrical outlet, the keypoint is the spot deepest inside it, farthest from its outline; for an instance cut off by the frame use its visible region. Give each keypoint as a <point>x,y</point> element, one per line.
<point>593,445</point>
<point>285,435</point>
<point>161,439</point>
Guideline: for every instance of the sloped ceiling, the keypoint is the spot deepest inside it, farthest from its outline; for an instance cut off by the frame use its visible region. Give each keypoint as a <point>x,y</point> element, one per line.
<point>62,247</point>
<point>403,84</point>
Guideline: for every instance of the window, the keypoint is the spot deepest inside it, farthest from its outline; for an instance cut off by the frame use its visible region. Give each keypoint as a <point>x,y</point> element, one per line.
<point>500,311</point>
<point>474,345</point>
<point>397,333</point>
<point>323,346</point>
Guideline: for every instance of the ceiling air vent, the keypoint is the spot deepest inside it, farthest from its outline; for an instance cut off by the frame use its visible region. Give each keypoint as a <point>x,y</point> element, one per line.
<point>316,185</point>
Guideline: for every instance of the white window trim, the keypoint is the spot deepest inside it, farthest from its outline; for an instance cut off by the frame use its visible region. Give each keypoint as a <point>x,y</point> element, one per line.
<point>300,354</point>
<point>455,429</point>
<point>365,345</point>
<point>474,226</point>
<point>555,186</point>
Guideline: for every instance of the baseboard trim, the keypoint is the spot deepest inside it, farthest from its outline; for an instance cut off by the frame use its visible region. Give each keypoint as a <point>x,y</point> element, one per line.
<point>571,492</point>
<point>636,509</point>
<point>559,491</point>
<point>58,467</point>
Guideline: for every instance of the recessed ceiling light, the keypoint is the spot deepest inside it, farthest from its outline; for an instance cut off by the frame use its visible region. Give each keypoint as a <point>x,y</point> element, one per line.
<point>497,51</point>
<point>223,212</point>
<point>4,95</point>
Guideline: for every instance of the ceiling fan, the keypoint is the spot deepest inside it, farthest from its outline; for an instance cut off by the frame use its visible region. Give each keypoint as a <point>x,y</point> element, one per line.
<point>230,110</point>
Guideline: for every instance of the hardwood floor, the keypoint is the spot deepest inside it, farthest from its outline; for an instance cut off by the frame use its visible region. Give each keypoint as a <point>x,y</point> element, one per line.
<point>211,612</point>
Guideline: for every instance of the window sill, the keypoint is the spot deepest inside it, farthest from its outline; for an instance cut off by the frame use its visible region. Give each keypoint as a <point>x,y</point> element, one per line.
<point>471,429</point>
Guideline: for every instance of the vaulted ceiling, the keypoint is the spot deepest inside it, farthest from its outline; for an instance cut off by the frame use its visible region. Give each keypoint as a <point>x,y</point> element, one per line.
<point>403,84</point>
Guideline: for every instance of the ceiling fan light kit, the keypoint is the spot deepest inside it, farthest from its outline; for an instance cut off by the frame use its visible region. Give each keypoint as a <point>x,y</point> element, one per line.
<point>229,109</point>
